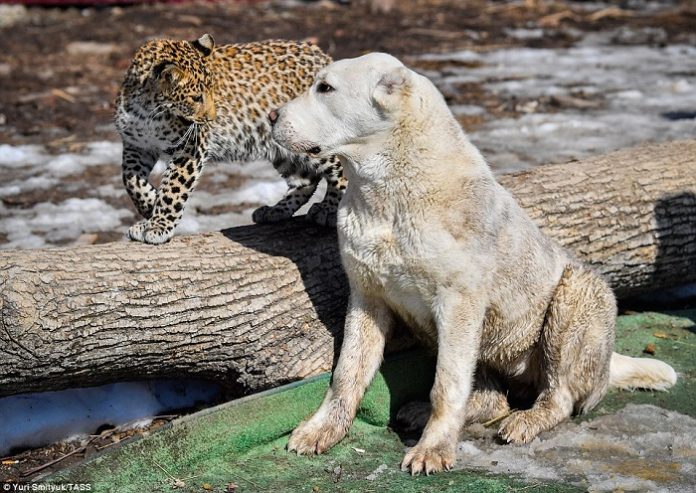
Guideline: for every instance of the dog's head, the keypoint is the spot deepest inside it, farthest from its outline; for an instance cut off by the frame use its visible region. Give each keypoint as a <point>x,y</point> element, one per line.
<point>350,102</point>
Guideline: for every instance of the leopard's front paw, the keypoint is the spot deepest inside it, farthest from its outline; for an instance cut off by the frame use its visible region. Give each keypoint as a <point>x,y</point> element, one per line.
<point>158,234</point>
<point>322,214</point>
<point>315,437</point>
<point>137,231</point>
<point>429,459</point>
<point>147,232</point>
<point>268,214</point>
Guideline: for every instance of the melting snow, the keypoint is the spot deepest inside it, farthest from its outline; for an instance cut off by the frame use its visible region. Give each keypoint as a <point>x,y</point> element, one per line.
<point>640,448</point>
<point>630,87</point>
<point>33,420</point>
<point>55,223</point>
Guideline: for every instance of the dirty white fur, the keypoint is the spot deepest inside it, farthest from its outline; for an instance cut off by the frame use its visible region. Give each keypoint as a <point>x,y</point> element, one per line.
<point>427,235</point>
<point>640,373</point>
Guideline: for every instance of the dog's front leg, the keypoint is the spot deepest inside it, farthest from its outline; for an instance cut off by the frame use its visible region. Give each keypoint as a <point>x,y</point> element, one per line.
<point>367,325</point>
<point>458,322</point>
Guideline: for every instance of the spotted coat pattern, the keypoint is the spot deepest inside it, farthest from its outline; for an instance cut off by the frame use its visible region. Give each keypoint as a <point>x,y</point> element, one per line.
<point>191,102</point>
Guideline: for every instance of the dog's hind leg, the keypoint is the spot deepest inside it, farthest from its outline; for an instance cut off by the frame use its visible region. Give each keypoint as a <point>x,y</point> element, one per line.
<point>486,402</point>
<point>576,347</point>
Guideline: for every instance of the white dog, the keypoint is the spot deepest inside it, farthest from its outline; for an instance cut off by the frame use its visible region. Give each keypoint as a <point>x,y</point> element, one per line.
<point>427,235</point>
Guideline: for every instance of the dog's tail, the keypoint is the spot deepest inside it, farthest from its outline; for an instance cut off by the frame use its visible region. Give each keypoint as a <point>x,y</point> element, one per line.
<point>640,373</point>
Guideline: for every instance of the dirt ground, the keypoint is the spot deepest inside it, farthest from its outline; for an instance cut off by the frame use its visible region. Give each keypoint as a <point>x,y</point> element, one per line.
<point>60,68</point>
<point>28,464</point>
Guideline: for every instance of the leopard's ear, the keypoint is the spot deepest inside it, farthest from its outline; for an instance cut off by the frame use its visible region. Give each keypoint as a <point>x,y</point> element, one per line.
<point>169,75</point>
<point>205,44</point>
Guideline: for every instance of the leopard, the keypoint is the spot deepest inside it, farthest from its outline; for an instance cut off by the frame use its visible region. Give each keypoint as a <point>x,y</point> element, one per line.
<point>189,103</point>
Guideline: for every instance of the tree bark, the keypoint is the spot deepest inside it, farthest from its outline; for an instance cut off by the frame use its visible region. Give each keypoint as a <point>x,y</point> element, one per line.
<point>259,306</point>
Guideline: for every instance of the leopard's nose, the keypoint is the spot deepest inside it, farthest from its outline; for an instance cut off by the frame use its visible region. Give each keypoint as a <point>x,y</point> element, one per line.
<point>273,116</point>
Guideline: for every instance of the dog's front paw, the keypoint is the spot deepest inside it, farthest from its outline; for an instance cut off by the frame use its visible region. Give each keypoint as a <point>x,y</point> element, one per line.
<point>520,427</point>
<point>268,214</point>
<point>429,459</point>
<point>314,438</point>
<point>322,214</point>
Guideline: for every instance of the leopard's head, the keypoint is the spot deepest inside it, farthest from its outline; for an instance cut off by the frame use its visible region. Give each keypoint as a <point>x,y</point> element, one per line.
<point>178,78</point>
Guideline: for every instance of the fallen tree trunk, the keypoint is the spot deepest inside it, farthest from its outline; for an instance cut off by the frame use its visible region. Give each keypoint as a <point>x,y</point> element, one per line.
<point>259,306</point>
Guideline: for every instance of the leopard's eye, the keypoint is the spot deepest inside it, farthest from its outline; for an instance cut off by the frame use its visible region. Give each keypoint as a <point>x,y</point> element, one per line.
<point>323,87</point>
<point>198,98</point>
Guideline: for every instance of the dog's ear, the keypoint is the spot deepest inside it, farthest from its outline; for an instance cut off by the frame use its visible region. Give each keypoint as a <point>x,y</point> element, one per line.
<point>391,87</point>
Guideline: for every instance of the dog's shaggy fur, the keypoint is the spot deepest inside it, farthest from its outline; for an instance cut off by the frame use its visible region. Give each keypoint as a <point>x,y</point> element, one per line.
<point>429,236</point>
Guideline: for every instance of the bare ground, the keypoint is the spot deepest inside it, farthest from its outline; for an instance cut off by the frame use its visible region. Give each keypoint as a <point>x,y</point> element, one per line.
<point>60,70</point>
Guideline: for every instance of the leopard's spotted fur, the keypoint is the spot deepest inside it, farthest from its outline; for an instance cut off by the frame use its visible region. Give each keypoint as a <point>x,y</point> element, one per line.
<point>193,102</point>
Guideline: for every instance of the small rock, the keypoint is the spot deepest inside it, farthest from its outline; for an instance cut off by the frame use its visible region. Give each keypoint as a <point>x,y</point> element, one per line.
<point>374,474</point>
<point>191,19</point>
<point>11,15</point>
<point>90,48</point>
<point>86,239</point>
<point>649,348</point>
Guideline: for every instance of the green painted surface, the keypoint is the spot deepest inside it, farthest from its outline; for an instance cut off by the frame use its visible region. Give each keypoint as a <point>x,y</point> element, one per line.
<point>675,344</point>
<point>243,442</point>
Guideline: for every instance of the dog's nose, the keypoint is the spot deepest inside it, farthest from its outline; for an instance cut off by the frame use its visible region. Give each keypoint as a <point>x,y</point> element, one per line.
<point>273,116</point>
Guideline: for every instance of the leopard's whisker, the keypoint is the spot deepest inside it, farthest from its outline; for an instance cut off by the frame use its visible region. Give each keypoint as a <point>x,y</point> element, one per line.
<point>189,133</point>
<point>156,111</point>
<point>184,137</point>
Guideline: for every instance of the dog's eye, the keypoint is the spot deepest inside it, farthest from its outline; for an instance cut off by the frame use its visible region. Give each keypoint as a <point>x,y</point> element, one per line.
<point>323,87</point>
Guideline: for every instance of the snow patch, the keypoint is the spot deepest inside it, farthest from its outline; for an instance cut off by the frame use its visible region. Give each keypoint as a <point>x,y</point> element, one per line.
<point>57,223</point>
<point>34,420</point>
<point>629,88</point>
<point>28,156</point>
<point>377,472</point>
<point>640,448</point>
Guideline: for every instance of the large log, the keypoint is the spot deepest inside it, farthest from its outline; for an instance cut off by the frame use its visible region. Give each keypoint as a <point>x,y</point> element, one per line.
<point>259,306</point>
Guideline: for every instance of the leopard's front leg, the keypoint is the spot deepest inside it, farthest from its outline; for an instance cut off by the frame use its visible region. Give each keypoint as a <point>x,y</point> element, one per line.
<point>324,212</point>
<point>301,187</point>
<point>135,168</point>
<point>179,180</point>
